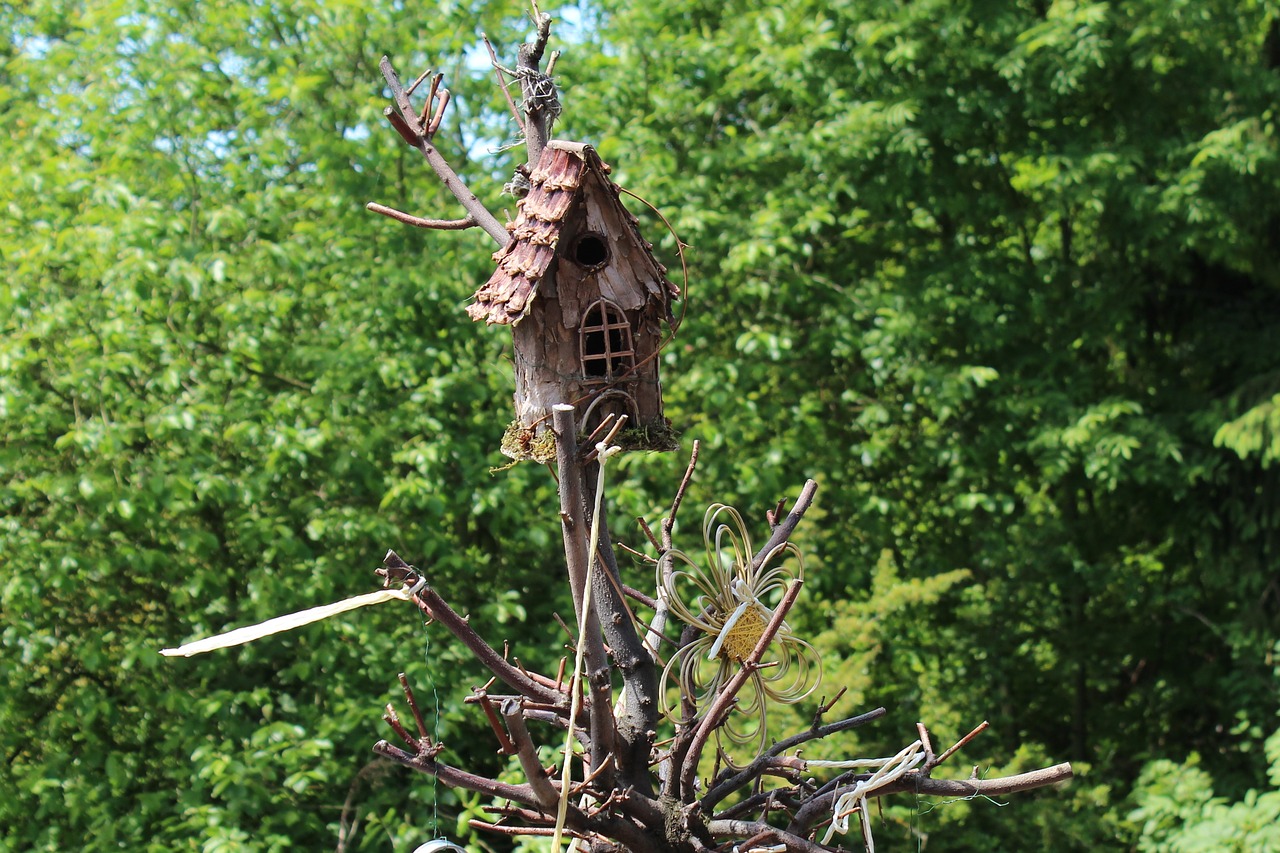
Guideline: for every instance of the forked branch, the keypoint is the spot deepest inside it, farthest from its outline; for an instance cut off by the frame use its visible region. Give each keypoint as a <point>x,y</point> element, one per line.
<point>418,130</point>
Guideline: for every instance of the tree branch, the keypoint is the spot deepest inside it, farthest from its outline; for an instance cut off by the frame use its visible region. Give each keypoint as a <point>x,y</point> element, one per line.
<point>541,786</point>
<point>782,531</point>
<point>733,781</point>
<point>410,127</point>
<point>638,720</point>
<point>918,781</point>
<point>573,526</point>
<point>419,222</point>
<point>430,602</point>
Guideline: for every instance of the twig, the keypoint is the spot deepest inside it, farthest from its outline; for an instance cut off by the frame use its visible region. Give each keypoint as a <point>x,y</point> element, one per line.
<point>824,706</point>
<point>504,742</point>
<point>523,745</point>
<point>574,530</point>
<point>502,81</point>
<point>927,743</point>
<point>544,831</point>
<point>918,781</point>
<point>393,720</point>
<point>783,530</point>
<point>420,222</point>
<point>723,787</point>
<point>648,533</point>
<point>438,609</point>
<point>456,778</point>
<point>411,129</point>
<point>658,627</point>
<point>413,707</point>
<point>669,522</point>
<point>950,751</point>
<point>748,829</point>
<point>636,594</point>
<point>639,555</point>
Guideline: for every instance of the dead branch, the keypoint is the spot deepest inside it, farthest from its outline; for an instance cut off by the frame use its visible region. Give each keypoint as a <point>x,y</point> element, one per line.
<point>412,129</point>
<point>542,788</point>
<point>918,781</point>
<point>732,781</point>
<point>637,718</point>
<point>438,609</point>
<point>661,608</point>
<point>540,102</point>
<point>419,222</point>
<point>575,530</point>
<point>783,530</point>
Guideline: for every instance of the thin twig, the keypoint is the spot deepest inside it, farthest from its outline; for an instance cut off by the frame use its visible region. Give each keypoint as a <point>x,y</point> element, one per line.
<point>504,742</point>
<point>950,751</point>
<point>502,81</point>
<point>413,706</point>
<point>927,743</point>
<point>437,608</point>
<point>408,126</point>
<point>420,222</point>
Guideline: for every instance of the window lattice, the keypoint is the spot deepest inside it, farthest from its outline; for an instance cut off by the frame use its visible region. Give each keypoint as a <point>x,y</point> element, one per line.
<point>605,343</point>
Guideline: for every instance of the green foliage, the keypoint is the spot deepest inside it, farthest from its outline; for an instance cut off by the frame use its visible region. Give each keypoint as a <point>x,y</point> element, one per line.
<point>226,390</point>
<point>1178,811</point>
<point>1002,276</point>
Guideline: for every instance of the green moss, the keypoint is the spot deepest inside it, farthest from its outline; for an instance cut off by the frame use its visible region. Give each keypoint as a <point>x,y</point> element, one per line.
<point>520,442</point>
<point>539,445</point>
<point>652,436</point>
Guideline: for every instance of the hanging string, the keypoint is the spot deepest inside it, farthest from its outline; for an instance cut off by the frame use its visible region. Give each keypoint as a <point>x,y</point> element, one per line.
<point>435,729</point>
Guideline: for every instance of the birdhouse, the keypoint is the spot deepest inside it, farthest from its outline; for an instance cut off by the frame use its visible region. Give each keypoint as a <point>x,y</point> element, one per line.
<point>587,303</point>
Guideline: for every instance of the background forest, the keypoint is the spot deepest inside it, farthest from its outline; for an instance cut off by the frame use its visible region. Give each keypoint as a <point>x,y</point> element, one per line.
<point>1003,276</point>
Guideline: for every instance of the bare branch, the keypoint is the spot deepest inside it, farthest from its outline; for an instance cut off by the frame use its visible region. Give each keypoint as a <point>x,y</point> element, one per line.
<point>951,750</point>
<point>748,829</point>
<point>533,771</point>
<point>783,530</point>
<point>454,777</point>
<point>918,781</point>
<point>498,70</point>
<point>410,127</point>
<point>573,523</point>
<point>438,609</point>
<point>733,781</point>
<point>419,222</point>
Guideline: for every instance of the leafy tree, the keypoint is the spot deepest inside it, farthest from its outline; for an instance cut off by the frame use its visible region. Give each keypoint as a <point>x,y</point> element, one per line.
<point>1177,809</point>
<point>224,388</point>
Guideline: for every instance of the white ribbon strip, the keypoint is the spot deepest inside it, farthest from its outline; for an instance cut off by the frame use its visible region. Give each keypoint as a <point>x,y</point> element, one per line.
<point>288,622</point>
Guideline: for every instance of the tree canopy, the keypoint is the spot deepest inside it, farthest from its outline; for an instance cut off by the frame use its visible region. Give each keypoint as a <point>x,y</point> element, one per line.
<point>1001,276</point>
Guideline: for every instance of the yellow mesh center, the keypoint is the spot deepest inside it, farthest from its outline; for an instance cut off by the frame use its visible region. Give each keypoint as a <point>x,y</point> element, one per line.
<point>741,639</point>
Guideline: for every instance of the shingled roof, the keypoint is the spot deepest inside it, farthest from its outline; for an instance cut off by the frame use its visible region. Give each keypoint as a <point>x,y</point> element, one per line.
<point>555,186</point>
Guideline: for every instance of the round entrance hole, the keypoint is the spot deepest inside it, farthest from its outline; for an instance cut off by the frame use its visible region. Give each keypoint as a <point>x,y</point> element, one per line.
<point>591,251</point>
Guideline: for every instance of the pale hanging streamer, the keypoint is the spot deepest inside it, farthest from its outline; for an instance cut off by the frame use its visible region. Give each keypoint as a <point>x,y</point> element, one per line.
<point>566,773</point>
<point>289,621</point>
<point>890,770</point>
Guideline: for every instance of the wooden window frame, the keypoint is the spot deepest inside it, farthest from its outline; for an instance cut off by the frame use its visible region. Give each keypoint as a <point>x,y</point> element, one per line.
<point>609,359</point>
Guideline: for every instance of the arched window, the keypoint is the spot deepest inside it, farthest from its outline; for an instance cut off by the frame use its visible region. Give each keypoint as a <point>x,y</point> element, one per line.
<point>604,341</point>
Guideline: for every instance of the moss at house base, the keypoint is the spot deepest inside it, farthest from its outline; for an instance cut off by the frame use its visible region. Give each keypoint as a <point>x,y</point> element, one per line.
<point>522,443</point>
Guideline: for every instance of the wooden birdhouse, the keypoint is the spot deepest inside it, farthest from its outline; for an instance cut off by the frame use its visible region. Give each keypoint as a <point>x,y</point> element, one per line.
<point>586,301</point>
